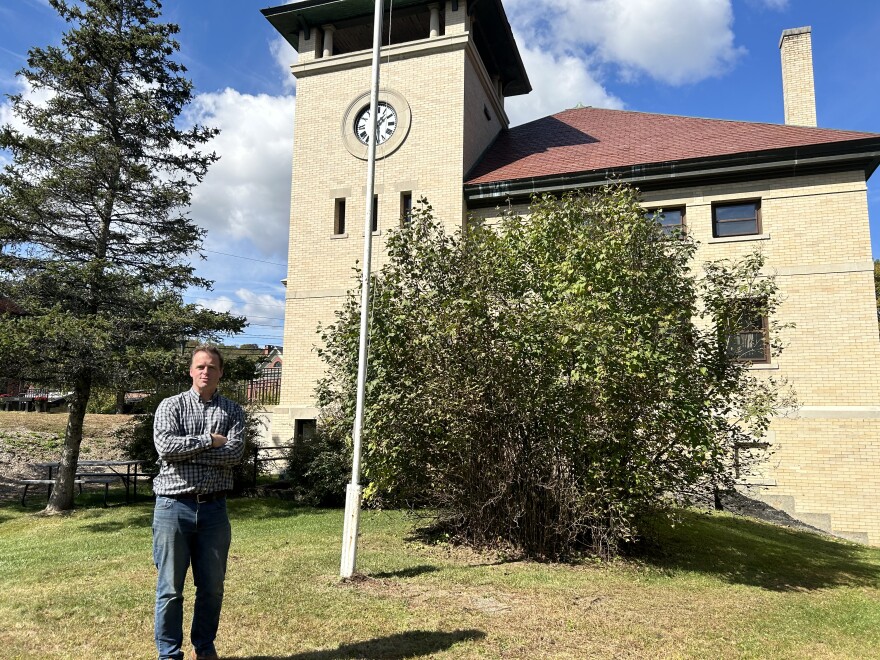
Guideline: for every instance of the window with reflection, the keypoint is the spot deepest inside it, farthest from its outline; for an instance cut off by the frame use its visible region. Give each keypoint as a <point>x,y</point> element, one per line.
<point>750,341</point>
<point>670,220</point>
<point>405,207</point>
<point>737,219</point>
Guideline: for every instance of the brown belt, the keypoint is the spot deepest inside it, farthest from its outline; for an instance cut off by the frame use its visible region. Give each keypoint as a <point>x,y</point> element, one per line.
<point>200,498</point>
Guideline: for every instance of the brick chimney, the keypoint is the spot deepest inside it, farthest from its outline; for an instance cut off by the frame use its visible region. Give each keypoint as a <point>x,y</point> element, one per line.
<point>798,92</point>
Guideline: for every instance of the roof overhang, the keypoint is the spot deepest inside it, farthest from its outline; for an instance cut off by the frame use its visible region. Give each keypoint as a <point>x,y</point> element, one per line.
<point>494,38</point>
<point>796,161</point>
<point>289,19</point>
<point>491,31</point>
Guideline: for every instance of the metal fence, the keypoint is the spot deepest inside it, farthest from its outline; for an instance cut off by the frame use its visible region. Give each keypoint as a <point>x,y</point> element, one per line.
<point>265,390</point>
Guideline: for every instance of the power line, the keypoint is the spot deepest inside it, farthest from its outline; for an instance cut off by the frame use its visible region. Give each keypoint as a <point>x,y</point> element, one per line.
<point>237,256</point>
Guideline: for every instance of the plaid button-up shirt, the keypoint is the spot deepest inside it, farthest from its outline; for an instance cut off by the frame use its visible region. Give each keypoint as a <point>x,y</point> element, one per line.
<point>182,432</point>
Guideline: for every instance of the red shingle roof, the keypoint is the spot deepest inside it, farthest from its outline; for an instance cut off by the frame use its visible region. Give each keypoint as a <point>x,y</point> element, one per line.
<point>586,139</point>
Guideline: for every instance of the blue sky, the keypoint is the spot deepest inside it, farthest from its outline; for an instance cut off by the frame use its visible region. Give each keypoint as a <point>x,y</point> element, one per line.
<point>705,58</point>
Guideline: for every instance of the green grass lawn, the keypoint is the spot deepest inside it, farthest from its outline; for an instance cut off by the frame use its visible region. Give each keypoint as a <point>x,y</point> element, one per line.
<point>82,586</point>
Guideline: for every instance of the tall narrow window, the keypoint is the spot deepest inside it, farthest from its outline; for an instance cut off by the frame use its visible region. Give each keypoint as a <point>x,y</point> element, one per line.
<point>405,208</point>
<point>738,219</point>
<point>750,340</point>
<point>339,217</point>
<point>375,213</point>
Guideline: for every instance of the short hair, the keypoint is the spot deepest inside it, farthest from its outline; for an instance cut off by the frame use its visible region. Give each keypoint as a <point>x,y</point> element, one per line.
<point>208,348</point>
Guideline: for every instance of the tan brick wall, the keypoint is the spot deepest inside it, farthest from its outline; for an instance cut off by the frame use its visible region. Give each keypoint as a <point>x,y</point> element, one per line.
<point>826,474</point>
<point>479,130</point>
<point>815,235</point>
<point>435,80</point>
<point>798,92</point>
<point>457,22</point>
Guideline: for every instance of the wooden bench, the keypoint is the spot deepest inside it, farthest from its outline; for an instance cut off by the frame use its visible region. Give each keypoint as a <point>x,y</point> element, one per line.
<point>81,480</point>
<point>105,479</point>
<point>27,483</point>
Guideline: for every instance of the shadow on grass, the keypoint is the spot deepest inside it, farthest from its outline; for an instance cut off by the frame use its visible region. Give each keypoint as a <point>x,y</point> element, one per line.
<point>238,508</point>
<point>12,509</point>
<point>269,507</point>
<point>87,499</point>
<point>93,504</point>
<point>412,571</point>
<point>412,644</point>
<point>82,502</point>
<point>143,519</point>
<point>97,518</point>
<point>745,551</point>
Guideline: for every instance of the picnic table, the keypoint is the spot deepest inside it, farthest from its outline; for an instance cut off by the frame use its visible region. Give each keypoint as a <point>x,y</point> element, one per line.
<point>95,472</point>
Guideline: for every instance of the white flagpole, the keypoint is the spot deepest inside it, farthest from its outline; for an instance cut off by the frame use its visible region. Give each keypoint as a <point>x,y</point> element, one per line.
<point>354,491</point>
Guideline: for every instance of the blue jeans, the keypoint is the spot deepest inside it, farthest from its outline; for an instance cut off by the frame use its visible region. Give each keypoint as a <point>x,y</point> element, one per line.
<point>184,533</point>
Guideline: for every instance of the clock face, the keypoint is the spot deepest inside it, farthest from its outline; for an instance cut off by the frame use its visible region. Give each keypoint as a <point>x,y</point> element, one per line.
<point>393,123</point>
<point>386,123</point>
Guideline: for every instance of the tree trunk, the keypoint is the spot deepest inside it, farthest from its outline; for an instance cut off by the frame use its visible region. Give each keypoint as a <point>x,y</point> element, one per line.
<point>120,402</point>
<point>63,490</point>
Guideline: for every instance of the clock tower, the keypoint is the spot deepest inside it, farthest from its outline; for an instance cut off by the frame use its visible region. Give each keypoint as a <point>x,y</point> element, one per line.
<point>446,68</point>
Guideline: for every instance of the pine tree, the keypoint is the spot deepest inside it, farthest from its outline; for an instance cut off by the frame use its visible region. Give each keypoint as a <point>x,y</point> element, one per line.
<point>94,230</point>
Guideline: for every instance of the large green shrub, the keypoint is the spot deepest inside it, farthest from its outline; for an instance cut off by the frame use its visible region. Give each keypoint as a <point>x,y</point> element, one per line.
<point>320,467</point>
<point>548,383</point>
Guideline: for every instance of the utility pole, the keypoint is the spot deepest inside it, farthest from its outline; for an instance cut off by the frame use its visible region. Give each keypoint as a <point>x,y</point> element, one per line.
<point>354,490</point>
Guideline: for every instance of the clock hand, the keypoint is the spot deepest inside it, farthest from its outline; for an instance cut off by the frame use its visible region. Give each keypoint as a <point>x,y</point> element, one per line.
<point>381,122</point>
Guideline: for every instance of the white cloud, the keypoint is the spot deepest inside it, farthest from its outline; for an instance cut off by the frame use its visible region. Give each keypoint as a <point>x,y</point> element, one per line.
<point>246,195</point>
<point>284,55</point>
<point>673,41</point>
<point>776,5</point>
<point>221,304</point>
<point>8,118</point>
<point>264,313</point>
<point>37,97</point>
<point>264,307</point>
<point>559,82</point>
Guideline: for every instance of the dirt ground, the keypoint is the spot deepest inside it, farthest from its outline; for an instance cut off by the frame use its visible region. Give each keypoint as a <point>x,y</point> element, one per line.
<point>29,438</point>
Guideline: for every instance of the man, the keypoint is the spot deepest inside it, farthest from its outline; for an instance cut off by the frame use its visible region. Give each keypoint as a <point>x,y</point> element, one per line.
<point>199,437</point>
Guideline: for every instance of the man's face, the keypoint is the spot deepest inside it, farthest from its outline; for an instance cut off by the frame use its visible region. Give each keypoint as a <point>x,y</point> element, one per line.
<point>205,372</point>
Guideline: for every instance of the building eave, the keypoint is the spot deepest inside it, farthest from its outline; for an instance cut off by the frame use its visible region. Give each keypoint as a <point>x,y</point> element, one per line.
<point>800,161</point>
